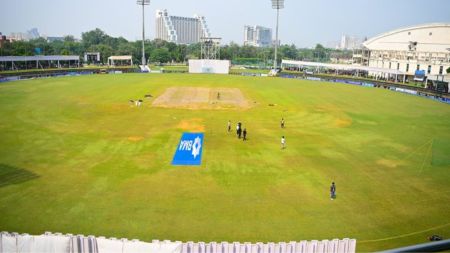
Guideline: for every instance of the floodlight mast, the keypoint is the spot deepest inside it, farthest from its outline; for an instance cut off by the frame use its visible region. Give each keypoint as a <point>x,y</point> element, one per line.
<point>143,3</point>
<point>210,48</point>
<point>277,4</point>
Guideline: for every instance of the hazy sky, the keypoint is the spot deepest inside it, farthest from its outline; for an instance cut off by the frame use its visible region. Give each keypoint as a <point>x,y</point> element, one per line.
<point>303,23</point>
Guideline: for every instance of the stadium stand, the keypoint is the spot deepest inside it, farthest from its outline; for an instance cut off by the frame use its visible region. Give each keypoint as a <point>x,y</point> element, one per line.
<point>39,62</point>
<point>57,242</point>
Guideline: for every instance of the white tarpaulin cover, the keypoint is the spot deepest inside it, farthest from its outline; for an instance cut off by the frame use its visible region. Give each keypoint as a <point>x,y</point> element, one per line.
<point>81,244</point>
<point>58,243</point>
<point>137,246</point>
<point>48,243</point>
<point>125,246</point>
<point>209,66</point>
<point>8,243</point>
<point>108,245</point>
<point>166,247</point>
<point>29,244</point>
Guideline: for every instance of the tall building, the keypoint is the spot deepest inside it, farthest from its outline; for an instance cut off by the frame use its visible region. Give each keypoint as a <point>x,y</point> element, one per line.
<point>29,35</point>
<point>350,42</point>
<point>33,34</point>
<point>257,36</point>
<point>18,37</point>
<point>180,30</point>
<point>424,48</point>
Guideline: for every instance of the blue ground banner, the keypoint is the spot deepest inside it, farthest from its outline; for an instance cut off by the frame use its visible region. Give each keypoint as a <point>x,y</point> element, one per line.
<point>189,150</point>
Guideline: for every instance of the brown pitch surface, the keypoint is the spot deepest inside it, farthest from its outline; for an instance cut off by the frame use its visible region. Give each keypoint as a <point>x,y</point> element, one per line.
<point>202,98</point>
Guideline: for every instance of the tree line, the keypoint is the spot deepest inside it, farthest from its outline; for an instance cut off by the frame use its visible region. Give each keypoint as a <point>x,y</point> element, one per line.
<point>159,51</point>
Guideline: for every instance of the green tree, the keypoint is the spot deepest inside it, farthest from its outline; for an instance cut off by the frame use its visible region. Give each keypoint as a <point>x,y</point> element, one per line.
<point>193,51</point>
<point>289,52</point>
<point>320,52</point>
<point>105,51</point>
<point>448,70</point>
<point>74,48</point>
<point>69,38</point>
<point>65,52</point>
<point>305,54</point>
<point>22,48</point>
<point>234,51</point>
<point>265,56</point>
<point>160,55</point>
<point>162,51</point>
<point>125,49</point>
<point>94,37</point>
<point>179,53</point>
<point>43,45</point>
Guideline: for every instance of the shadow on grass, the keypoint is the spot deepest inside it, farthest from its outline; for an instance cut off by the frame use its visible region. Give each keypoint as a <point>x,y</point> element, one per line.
<point>12,175</point>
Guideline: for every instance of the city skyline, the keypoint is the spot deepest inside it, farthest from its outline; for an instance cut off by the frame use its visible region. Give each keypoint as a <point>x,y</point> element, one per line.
<point>258,36</point>
<point>299,23</point>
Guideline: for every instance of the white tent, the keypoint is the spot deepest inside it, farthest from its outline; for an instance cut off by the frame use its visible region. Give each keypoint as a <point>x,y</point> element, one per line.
<point>121,58</point>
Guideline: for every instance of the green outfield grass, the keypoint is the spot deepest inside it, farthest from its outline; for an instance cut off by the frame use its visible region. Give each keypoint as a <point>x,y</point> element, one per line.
<point>75,157</point>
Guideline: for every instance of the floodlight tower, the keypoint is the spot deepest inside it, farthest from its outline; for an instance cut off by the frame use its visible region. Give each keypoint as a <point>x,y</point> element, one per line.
<point>143,3</point>
<point>277,4</point>
<point>210,48</point>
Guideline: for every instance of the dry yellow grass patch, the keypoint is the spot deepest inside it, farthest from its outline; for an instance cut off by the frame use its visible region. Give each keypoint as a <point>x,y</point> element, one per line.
<point>342,122</point>
<point>389,163</point>
<point>135,138</point>
<point>194,125</point>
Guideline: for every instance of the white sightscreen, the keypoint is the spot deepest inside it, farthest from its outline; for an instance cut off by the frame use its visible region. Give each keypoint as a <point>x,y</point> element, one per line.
<point>209,66</point>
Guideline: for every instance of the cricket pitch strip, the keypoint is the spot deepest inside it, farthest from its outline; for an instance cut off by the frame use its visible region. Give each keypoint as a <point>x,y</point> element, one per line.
<point>202,98</point>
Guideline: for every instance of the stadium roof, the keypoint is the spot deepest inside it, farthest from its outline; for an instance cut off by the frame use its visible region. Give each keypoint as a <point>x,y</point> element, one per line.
<point>431,38</point>
<point>40,58</point>
<point>423,26</point>
<point>343,67</point>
